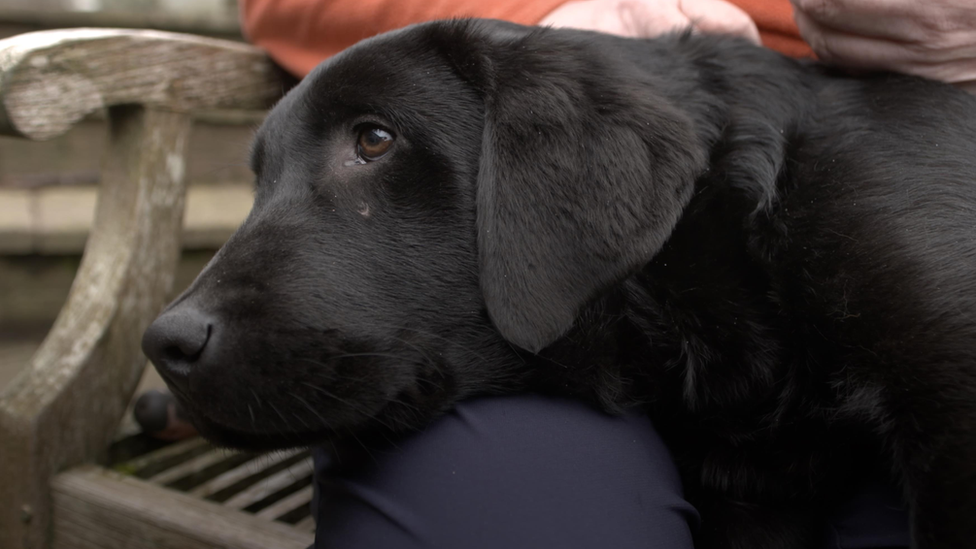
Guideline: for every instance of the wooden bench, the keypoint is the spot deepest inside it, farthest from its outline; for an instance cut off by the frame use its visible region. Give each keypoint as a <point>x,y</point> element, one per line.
<point>59,418</point>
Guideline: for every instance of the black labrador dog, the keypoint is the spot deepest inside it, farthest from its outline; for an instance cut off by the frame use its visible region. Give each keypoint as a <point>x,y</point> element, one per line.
<point>776,261</point>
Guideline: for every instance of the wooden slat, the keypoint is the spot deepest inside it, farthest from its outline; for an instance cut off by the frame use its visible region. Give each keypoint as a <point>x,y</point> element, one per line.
<point>164,453</point>
<point>98,509</point>
<point>241,472</point>
<point>307,523</point>
<point>270,485</point>
<point>192,466</point>
<point>287,504</point>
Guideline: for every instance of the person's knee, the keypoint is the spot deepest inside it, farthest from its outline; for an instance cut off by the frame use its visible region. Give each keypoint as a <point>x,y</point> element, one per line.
<point>525,471</point>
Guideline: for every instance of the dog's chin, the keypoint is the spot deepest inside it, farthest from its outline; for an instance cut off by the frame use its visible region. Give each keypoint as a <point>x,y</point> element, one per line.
<point>254,436</point>
<point>229,437</point>
<point>393,420</point>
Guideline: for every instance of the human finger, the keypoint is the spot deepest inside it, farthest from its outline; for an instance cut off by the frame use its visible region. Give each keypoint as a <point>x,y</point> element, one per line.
<point>899,20</point>
<point>630,18</point>
<point>720,17</point>
<point>649,18</point>
<point>860,52</point>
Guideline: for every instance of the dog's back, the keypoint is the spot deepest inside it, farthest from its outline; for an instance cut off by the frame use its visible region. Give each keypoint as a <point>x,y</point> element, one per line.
<point>877,230</point>
<point>814,308</point>
<point>860,265</point>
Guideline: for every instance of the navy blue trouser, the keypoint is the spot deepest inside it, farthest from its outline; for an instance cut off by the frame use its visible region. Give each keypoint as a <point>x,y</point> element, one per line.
<point>535,472</point>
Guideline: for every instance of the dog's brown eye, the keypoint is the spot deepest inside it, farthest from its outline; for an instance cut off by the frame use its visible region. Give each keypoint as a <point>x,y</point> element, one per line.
<point>374,142</point>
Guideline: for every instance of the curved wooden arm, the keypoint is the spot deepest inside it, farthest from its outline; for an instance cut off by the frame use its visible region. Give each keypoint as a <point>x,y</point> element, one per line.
<point>63,409</point>
<point>51,79</point>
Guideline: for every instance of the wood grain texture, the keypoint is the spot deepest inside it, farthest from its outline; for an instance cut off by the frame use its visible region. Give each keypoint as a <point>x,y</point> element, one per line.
<point>243,471</point>
<point>49,80</point>
<point>192,466</point>
<point>98,509</point>
<point>287,504</point>
<point>296,473</point>
<point>63,409</point>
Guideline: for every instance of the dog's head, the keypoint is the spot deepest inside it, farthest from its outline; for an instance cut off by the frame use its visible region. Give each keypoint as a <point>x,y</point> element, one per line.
<point>426,202</point>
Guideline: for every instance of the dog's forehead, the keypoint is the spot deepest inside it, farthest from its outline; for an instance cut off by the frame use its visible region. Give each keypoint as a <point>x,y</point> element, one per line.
<point>383,67</point>
<point>403,76</point>
<point>398,68</point>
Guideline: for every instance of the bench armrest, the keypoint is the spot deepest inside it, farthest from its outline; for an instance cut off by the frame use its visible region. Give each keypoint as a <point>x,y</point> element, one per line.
<point>63,409</point>
<point>49,80</point>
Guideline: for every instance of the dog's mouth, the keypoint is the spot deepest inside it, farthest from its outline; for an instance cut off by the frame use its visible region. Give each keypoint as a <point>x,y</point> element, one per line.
<point>233,437</point>
<point>261,441</point>
<point>274,426</point>
<point>250,433</point>
<point>255,387</point>
<point>293,389</point>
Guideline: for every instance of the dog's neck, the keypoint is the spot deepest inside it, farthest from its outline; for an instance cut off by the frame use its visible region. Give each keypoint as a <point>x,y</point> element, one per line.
<point>648,345</point>
<point>659,329</point>
<point>747,104</point>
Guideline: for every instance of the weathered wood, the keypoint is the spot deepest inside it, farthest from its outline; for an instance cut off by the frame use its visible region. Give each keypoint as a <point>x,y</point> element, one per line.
<point>287,504</point>
<point>307,523</point>
<point>242,471</point>
<point>63,409</point>
<point>192,466</point>
<point>296,473</point>
<point>49,80</point>
<point>98,509</point>
<point>195,446</point>
<point>16,351</point>
<point>34,288</point>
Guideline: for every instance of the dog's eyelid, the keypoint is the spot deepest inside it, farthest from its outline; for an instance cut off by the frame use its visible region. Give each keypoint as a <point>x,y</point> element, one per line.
<point>358,128</point>
<point>377,115</point>
<point>374,121</point>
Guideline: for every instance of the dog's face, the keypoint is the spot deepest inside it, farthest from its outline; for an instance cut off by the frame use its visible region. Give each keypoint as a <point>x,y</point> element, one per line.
<point>426,202</point>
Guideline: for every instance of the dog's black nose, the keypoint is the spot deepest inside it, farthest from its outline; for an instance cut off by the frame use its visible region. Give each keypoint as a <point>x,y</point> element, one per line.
<point>176,341</point>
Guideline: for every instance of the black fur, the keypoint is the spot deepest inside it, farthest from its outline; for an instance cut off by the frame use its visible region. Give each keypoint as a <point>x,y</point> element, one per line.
<point>777,261</point>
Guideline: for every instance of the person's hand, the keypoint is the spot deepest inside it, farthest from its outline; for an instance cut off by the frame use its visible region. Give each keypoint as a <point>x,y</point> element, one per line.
<point>931,38</point>
<point>648,18</point>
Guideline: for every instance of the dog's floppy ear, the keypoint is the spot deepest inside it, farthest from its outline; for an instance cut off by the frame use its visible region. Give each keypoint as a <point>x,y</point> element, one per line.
<point>584,173</point>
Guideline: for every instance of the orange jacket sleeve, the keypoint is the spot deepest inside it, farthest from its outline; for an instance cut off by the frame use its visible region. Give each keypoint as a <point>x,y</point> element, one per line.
<point>776,26</point>
<point>299,34</point>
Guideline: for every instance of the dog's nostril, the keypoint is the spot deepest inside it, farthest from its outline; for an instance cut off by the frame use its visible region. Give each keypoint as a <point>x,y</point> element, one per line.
<point>187,349</point>
<point>177,339</point>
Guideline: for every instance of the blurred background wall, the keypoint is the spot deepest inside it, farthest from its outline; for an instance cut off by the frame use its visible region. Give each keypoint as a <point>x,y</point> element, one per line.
<point>218,17</point>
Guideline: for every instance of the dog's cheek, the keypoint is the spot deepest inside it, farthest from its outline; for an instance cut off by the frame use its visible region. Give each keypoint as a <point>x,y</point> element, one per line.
<point>433,386</point>
<point>432,393</point>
